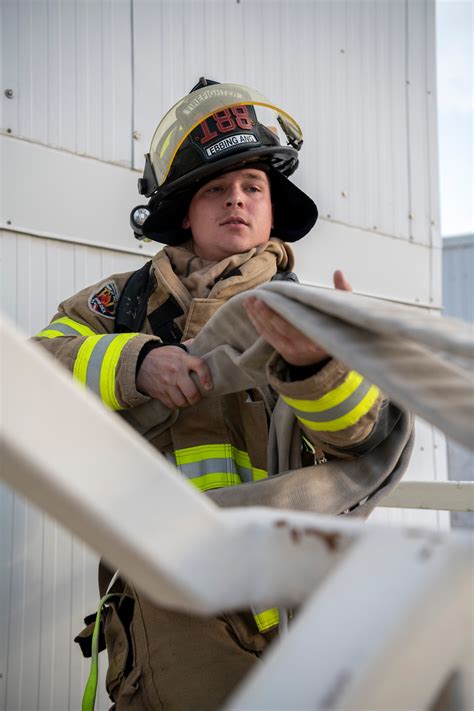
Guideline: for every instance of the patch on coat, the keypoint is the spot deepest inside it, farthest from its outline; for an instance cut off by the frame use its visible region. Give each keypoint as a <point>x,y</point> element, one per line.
<point>103,301</point>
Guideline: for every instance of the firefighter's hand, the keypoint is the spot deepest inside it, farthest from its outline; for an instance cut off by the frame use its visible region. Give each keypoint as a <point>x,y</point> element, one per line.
<point>291,344</point>
<point>165,374</point>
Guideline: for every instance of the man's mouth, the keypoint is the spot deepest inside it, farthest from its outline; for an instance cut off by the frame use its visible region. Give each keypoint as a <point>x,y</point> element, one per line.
<point>235,221</point>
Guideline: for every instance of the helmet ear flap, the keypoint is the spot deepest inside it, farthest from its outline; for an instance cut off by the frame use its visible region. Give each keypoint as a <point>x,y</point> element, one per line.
<point>165,221</point>
<point>294,213</point>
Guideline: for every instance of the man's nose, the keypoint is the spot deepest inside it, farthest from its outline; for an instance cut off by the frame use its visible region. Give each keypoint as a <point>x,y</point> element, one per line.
<point>234,196</point>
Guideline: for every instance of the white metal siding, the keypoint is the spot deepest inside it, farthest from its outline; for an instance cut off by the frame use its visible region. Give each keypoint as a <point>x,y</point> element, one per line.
<point>48,585</point>
<point>69,65</point>
<point>458,277</point>
<point>358,74</point>
<point>85,74</point>
<point>341,68</point>
<point>67,196</point>
<point>48,578</point>
<point>428,463</point>
<point>458,301</point>
<point>37,274</point>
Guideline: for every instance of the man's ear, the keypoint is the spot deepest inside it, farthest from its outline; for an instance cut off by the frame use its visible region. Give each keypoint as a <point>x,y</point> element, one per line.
<point>186,223</point>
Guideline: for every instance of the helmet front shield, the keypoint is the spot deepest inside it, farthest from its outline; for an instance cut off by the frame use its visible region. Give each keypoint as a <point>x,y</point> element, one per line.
<point>219,118</point>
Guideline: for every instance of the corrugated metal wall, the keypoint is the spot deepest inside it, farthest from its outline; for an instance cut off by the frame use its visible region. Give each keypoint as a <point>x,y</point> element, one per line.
<point>47,577</point>
<point>69,66</point>
<point>458,301</point>
<point>92,77</point>
<point>37,274</point>
<point>458,277</point>
<point>47,586</point>
<point>358,74</point>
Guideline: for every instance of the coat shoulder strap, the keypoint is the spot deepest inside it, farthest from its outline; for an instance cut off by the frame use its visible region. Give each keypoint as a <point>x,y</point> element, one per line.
<point>133,301</point>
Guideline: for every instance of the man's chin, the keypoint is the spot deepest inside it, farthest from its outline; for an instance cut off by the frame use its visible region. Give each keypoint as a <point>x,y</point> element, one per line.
<point>237,244</point>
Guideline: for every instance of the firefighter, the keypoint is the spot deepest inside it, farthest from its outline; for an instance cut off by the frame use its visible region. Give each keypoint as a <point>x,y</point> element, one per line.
<point>220,200</point>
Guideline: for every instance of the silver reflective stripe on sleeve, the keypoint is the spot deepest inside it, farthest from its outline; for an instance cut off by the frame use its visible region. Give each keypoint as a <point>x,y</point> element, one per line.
<point>94,366</point>
<point>338,411</point>
<point>65,326</point>
<point>65,329</point>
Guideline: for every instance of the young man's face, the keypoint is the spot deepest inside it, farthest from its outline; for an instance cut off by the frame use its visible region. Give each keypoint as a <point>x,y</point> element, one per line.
<point>230,214</point>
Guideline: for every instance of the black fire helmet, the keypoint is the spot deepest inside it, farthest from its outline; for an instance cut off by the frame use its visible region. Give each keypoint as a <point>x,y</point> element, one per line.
<point>212,130</point>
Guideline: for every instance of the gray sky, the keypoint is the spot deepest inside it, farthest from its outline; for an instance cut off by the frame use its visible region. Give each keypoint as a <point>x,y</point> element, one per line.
<point>455,114</point>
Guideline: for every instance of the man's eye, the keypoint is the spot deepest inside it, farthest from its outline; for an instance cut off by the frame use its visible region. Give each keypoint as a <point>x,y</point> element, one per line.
<point>253,188</point>
<point>214,189</point>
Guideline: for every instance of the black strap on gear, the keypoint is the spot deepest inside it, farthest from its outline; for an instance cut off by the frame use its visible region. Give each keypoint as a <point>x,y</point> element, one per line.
<point>162,321</point>
<point>133,302</point>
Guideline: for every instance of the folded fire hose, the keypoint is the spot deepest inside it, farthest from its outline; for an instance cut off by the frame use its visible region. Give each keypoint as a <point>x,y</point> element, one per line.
<point>423,364</point>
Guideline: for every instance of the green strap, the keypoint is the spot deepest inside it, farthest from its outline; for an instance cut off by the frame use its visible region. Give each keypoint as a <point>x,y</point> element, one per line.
<point>90,692</point>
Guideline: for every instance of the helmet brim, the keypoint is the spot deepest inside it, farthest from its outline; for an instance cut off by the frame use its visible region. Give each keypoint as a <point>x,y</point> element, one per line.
<point>294,212</point>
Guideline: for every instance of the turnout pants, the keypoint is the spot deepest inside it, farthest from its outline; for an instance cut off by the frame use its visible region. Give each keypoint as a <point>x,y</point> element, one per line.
<point>163,660</point>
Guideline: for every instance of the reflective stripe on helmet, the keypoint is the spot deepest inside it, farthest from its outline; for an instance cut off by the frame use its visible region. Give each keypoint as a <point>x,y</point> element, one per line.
<point>338,409</point>
<point>213,466</point>
<point>96,365</point>
<point>65,326</point>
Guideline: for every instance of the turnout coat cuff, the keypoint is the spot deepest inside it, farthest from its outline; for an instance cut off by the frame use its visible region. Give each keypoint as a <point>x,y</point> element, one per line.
<point>126,371</point>
<point>312,388</point>
<point>336,407</point>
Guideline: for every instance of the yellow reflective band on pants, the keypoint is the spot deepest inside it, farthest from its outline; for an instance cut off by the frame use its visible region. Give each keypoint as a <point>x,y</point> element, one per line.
<point>96,365</point>
<point>65,326</point>
<point>266,619</point>
<point>339,409</point>
<point>214,466</point>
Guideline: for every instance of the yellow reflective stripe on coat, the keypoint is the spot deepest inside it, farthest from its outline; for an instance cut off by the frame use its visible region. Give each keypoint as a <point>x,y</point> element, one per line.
<point>65,326</point>
<point>213,466</point>
<point>330,399</point>
<point>96,364</point>
<point>346,420</point>
<point>267,619</point>
<point>49,333</point>
<point>338,409</point>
